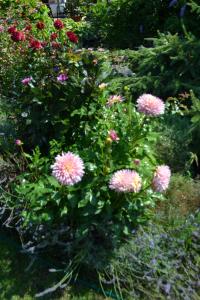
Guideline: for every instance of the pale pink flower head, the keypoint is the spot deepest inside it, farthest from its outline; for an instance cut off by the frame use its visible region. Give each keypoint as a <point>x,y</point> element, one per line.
<point>125,181</point>
<point>150,105</point>
<point>113,135</point>
<point>18,142</point>
<point>161,178</point>
<point>68,168</point>
<point>26,80</point>
<point>62,77</point>
<point>114,99</point>
<point>1,28</point>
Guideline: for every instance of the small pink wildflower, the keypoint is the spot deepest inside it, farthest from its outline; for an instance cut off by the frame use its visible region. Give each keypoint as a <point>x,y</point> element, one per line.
<point>113,135</point>
<point>18,142</point>
<point>126,181</point>
<point>114,99</point>
<point>68,168</point>
<point>1,28</point>
<point>62,77</point>
<point>150,105</point>
<point>26,80</point>
<point>161,178</point>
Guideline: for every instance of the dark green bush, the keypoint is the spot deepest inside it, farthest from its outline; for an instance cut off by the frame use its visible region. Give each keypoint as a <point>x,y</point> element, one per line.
<point>126,24</point>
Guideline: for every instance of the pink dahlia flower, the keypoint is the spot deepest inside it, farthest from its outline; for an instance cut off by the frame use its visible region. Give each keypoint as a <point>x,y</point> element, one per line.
<point>114,99</point>
<point>150,105</point>
<point>68,168</point>
<point>113,135</point>
<point>126,181</point>
<point>26,80</point>
<point>161,178</point>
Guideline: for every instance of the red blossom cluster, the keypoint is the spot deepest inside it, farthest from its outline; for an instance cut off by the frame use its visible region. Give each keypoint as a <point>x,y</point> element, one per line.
<point>16,35</point>
<point>19,36</point>
<point>40,25</point>
<point>58,24</point>
<point>72,37</point>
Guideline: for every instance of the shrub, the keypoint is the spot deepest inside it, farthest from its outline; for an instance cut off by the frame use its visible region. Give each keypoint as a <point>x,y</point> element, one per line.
<point>126,24</point>
<point>49,80</point>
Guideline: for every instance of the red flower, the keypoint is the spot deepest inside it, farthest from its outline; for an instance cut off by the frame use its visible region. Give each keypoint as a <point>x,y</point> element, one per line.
<point>54,36</point>
<point>55,45</point>
<point>18,36</point>
<point>58,24</point>
<point>72,37</point>
<point>40,25</point>
<point>28,27</point>
<point>35,44</point>
<point>12,29</point>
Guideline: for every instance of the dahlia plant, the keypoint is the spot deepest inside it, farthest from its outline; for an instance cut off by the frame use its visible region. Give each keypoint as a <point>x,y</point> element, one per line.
<point>109,176</point>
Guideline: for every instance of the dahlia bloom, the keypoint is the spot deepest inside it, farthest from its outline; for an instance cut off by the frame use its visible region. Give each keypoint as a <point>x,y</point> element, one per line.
<point>114,99</point>
<point>72,37</point>
<point>26,80</point>
<point>161,178</point>
<point>12,29</point>
<point>68,168</point>
<point>35,45</point>
<point>150,105</point>
<point>40,25</point>
<point>125,181</point>
<point>53,36</point>
<point>113,135</point>
<point>62,77</point>
<point>58,24</point>
<point>28,27</point>
<point>18,36</point>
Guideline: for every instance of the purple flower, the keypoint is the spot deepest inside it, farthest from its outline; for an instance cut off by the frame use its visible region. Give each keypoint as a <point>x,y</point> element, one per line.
<point>56,69</point>
<point>182,10</point>
<point>26,80</point>
<point>172,3</point>
<point>62,77</point>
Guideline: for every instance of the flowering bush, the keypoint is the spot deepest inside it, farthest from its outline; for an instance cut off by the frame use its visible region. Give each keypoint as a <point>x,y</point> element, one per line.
<point>102,185</point>
<point>50,79</point>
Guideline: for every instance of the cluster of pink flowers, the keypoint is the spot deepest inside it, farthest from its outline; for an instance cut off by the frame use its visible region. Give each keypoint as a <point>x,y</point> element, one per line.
<point>150,105</point>
<point>68,168</point>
